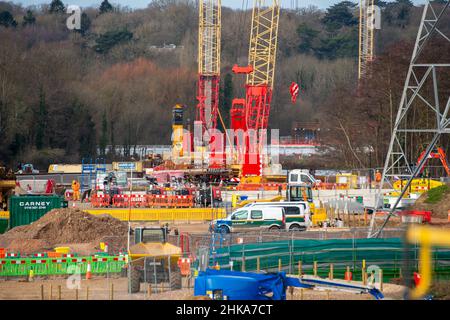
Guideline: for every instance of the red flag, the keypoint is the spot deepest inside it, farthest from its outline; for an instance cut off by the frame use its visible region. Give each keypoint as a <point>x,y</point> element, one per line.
<point>294,89</point>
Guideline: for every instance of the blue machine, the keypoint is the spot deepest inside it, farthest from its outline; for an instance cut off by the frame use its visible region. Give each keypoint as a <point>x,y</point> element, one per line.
<point>236,285</point>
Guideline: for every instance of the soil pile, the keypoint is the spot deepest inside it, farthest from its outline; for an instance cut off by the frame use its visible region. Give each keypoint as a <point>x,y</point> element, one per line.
<point>68,227</point>
<point>439,208</point>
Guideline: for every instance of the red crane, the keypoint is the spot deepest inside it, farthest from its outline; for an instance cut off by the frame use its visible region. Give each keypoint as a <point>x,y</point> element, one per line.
<point>251,115</point>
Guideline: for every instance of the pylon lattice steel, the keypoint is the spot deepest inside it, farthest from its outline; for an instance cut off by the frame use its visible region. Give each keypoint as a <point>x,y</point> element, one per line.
<point>422,94</point>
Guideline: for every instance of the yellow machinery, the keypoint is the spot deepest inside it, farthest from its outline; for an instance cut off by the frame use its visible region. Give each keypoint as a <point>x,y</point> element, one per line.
<point>350,180</point>
<point>418,185</point>
<point>426,237</point>
<point>240,204</point>
<point>177,131</point>
<point>153,258</point>
<point>7,185</point>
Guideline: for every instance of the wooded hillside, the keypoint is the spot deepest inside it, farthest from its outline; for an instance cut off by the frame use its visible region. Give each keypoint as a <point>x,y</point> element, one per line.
<point>64,93</point>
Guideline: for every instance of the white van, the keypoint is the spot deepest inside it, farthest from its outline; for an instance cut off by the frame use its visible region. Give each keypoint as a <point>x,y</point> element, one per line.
<point>298,216</point>
<point>251,218</point>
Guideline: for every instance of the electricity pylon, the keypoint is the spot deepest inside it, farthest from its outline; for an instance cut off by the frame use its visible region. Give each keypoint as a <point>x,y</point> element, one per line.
<point>422,95</point>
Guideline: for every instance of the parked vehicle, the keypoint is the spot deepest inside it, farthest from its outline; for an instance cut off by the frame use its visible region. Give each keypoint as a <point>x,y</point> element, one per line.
<point>297,213</point>
<point>298,176</point>
<point>251,218</point>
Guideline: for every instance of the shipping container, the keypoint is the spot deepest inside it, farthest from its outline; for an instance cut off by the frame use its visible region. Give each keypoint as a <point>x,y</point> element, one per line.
<point>24,210</point>
<point>128,166</point>
<point>3,225</point>
<point>64,168</point>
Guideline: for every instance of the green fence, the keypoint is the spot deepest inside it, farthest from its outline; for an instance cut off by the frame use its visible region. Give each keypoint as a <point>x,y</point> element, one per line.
<point>389,254</point>
<point>60,266</point>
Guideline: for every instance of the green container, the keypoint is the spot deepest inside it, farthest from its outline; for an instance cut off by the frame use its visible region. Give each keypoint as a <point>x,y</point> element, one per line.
<point>24,210</point>
<point>3,225</point>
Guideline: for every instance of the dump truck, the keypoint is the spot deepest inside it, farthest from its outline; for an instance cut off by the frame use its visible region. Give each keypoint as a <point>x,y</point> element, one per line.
<point>153,259</point>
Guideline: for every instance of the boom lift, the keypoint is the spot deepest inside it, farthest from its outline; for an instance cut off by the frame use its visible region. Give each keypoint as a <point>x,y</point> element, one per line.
<point>439,153</point>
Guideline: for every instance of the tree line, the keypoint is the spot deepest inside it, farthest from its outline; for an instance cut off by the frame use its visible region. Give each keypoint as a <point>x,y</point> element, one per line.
<point>67,94</point>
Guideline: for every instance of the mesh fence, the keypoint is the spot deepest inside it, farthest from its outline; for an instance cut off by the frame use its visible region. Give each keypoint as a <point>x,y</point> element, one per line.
<point>317,256</point>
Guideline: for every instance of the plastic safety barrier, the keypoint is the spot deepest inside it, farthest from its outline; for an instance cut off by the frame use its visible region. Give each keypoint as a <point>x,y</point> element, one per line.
<point>61,265</point>
<point>330,186</point>
<point>182,201</point>
<point>161,201</point>
<point>185,266</point>
<point>100,201</point>
<point>120,201</point>
<point>138,201</point>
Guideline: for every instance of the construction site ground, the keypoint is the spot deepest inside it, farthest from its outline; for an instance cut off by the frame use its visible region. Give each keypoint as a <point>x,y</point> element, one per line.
<point>99,288</point>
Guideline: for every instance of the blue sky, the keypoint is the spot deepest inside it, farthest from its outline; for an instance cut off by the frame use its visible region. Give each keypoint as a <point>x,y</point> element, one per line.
<point>227,3</point>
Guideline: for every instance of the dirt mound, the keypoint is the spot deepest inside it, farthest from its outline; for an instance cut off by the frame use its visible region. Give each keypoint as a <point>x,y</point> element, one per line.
<point>65,227</point>
<point>439,208</point>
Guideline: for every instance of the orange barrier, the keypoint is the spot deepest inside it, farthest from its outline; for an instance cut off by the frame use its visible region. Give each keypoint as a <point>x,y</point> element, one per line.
<point>52,254</point>
<point>100,201</point>
<point>124,201</point>
<point>120,201</point>
<point>138,200</point>
<point>330,186</point>
<point>161,201</point>
<point>181,201</point>
<point>185,266</point>
<point>149,199</point>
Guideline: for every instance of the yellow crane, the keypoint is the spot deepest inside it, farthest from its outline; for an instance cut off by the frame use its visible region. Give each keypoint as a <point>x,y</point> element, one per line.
<point>366,36</point>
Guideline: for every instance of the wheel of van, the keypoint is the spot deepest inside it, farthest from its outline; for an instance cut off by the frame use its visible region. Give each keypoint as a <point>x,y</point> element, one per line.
<point>274,228</point>
<point>296,227</point>
<point>175,280</point>
<point>135,280</point>
<point>224,230</point>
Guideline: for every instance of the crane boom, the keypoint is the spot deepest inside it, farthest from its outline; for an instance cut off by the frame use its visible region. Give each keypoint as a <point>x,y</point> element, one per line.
<point>254,114</point>
<point>208,62</point>
<point>262,57</point>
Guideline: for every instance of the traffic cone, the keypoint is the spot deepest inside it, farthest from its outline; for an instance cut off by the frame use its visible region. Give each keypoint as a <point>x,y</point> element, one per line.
<point>88,271</point>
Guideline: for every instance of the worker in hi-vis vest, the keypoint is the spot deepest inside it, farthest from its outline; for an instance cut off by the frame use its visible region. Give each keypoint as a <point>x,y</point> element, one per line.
<point>378,178</point>
<point>76,190</point>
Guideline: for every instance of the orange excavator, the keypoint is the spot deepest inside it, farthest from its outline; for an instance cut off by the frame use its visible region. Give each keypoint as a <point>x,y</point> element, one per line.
<point>439,153</point>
